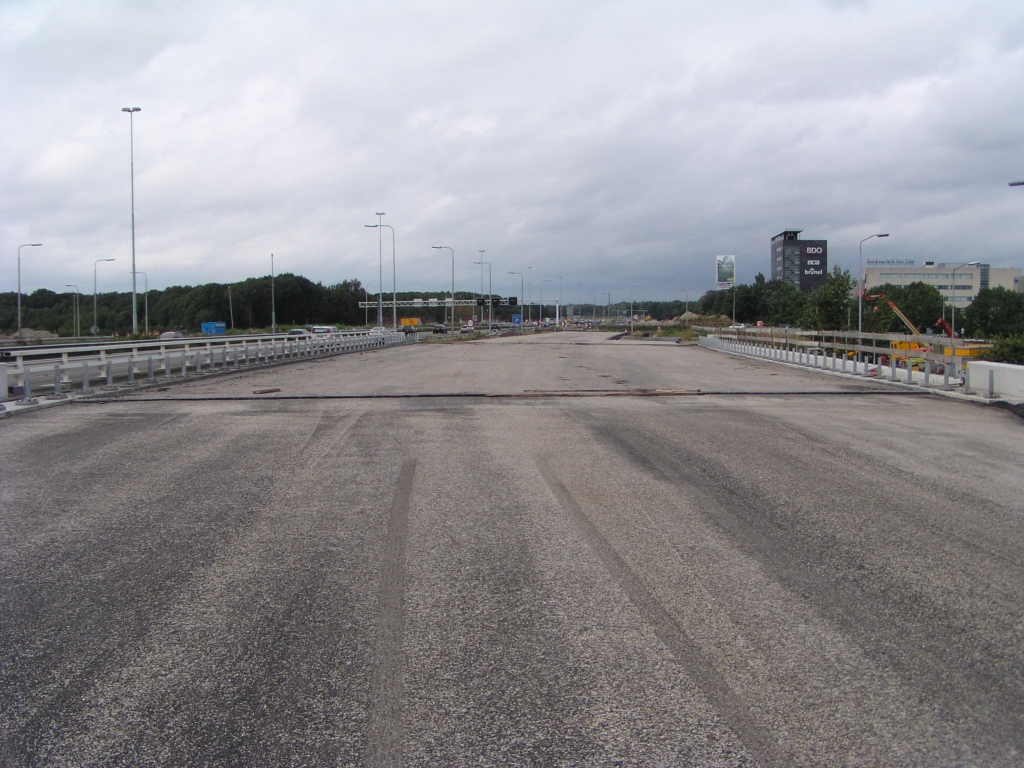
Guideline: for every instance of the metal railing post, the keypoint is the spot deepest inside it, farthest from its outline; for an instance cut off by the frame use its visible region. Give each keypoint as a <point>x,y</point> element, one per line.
<point>131,370</point>
<point>110,373</point>
<point>184,363</point>
<point>26,387</point>
<point>85,377</point>
<point>149,368</point>
<point>57,393</point>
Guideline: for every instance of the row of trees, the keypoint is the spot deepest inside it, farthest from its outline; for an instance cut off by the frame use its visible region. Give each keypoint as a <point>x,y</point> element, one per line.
<point>297,300</point>
<point>995,312</point>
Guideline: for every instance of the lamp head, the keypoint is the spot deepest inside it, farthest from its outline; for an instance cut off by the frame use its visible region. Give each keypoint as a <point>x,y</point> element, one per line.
<point>131,109</point>
<point>371,226</point>
<point>884,234</point>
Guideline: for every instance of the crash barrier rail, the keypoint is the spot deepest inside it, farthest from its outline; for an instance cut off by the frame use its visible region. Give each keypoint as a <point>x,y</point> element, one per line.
<point>58,371</point>
<point>890,356</point>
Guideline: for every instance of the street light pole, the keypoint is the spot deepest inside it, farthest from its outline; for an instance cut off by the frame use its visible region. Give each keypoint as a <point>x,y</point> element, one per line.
<point>952,295</point>
<point>131,134</point>
<point>453,278</point>
<point>529,282</point>
<point>558,304</point>
<point>608,306</point>
<point>545,280</point>
<point>273,309</point>
<point>394,279</point>
<point>77,291</point>
<point>26,245</point>
<point>861,281</point>
<point>490,301</point>
<point>380,256</point>
<point>95,323</point>
<point>631,306</point>
<point>686,300</point>
<point>481,263</point>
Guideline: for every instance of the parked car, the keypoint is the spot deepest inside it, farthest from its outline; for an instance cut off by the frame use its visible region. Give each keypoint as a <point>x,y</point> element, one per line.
<point>166,335</point>
<point>319,330</point>
<point>299,333</point>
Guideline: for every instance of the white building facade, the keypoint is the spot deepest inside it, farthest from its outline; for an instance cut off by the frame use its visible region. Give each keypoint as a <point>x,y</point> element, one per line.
<point>959,290</point>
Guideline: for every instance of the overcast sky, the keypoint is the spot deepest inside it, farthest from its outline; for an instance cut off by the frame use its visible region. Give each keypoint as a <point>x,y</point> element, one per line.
<point>610,143</point>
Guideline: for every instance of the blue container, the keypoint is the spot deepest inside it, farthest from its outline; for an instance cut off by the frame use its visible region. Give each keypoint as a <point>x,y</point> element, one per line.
<point>213,329</point>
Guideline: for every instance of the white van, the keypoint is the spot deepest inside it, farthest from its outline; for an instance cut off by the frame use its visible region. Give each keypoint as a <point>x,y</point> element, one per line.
<point>319,330</point>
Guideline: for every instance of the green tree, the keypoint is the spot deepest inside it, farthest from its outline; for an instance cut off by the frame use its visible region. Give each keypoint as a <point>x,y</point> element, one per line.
<point>922,304</point>
<point>995,312</point>
<point>828,307</point>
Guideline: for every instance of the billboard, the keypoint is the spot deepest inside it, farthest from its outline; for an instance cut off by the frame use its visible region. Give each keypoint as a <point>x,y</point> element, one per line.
<point>725,271</point>
<point>813,264</point>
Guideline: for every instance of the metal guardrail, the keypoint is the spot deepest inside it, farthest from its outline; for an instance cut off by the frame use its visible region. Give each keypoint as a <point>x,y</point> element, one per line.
<point>836,352</point>
<point>60,370</point>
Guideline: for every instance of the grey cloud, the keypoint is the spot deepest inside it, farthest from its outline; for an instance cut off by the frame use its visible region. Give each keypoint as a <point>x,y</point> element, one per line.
<point>619,143</point>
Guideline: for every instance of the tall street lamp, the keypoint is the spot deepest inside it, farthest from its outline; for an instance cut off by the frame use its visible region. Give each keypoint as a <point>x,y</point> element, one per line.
<point>521,288</point>
<point>490,302</point>
<point>394,279</point>
<point>273,308</point>
<point>77,291</point>
<point>558,304</point>
<point>861,281</point>
<point>131,137</point>
<point>529,282</point>
<point>952,295</point>
<point>481,263</point>
<point>453,278</point>
<point>380,257</point>
<point>631,306</point>
<point>26,245</point>
<point>686,300</point>
<point>95,324</point>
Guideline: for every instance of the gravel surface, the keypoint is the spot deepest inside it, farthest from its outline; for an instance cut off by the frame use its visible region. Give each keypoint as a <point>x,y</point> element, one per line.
<point>794,570</point>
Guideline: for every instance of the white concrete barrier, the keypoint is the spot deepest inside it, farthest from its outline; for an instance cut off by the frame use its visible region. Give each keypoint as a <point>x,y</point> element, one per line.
<point>1002,380</point>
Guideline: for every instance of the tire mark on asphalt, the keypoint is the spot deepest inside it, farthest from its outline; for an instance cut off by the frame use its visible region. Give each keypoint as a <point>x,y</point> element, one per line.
<point>698,666</point>
<point>386,692</point>
<point>911,633</point>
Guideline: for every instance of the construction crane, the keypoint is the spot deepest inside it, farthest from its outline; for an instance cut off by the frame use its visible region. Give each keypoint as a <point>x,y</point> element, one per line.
<point>941,323</point>
<point>899,314</point>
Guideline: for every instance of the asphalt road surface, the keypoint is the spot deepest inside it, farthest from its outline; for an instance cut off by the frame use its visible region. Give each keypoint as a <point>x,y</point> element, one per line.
<point>514,552</point>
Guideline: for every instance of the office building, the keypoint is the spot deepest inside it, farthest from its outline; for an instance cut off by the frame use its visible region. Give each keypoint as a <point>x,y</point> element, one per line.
<point>961,292</point>
<point>801,263</point>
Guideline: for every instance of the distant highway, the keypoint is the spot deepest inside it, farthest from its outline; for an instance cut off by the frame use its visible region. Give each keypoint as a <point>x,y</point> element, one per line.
<point>549,550</point>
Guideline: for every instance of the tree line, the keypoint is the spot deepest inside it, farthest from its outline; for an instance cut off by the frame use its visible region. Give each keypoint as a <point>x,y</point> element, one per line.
<point>994,313</point>
<point>297,301</point>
